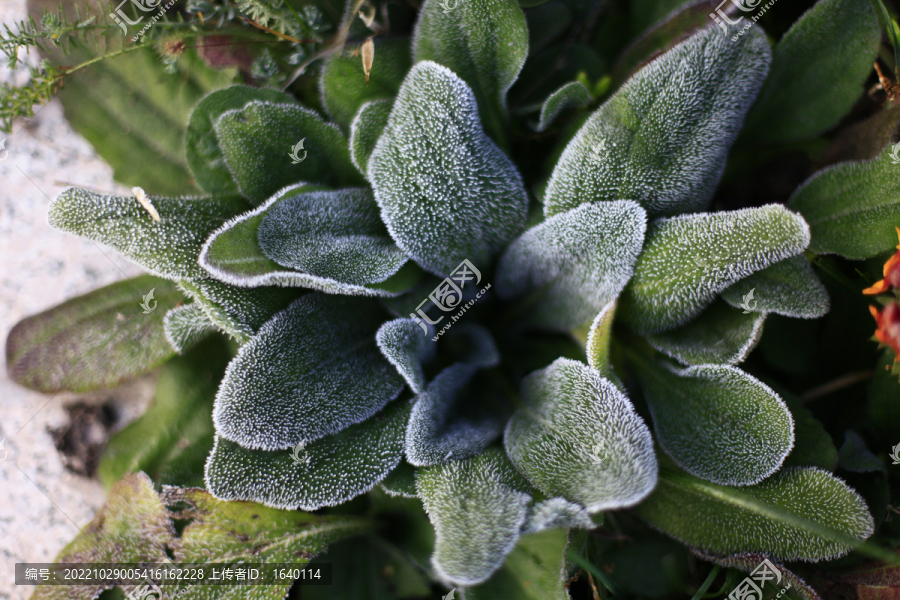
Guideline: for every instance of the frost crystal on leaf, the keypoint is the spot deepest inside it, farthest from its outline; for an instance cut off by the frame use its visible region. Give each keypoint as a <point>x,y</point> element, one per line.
<point>311,371</point>
<point>333,235</point>
<point>340,466</point>
<point>688,260</point>
<point>718,335</point>
<point>717,422</point>
<point>789,288</point>
<point>668,130</point>
<point>574,263</point>
<point>477,509</point>
<point>579,437</point>
<point>446,191</point>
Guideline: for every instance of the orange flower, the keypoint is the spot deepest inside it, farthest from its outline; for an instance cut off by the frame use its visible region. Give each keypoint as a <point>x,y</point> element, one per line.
<point>891,274</point>
<point>888,331</point>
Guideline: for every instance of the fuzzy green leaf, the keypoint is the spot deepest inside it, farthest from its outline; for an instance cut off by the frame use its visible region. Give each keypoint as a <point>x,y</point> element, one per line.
<point>204,156</point>
<point>326,472</point>
<point>132,527</point>
<point>186,387</point>
<point>571,95</point>
<point>186,325</point>
<point>406,346</point>
<point>719,335</point>
<point>688,260</point>
<point>533,571</point>
<point>789,288</point>
<point>578,437</point>
<point>94,341</point>
<point>239,312</point>
<point>818,71</point>
<point>452,419</point>
<point>168,248</point>
<point>258,139</point>
<point>484,42</point>
<point>311,371</point>
<point>855,456</point>
<point>804,514</point>
<point>343,84</point>
<point>575,262</point>
<point>333,235</point>
<point>446,191</point>
<point>234,254</point>
<point>366,129</point>
<point>852,208</point>
<point>557,513</point>
<point>717,422</point>
<point>598,341</point>
<point>663,138</point>
<point>477,510</point>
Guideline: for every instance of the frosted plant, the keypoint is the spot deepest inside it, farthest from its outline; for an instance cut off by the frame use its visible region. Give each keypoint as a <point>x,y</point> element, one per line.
<point>596,367</point>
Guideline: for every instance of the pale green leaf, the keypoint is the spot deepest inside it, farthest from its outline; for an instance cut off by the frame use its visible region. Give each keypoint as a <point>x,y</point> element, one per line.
<point>852,208</point>
<point>186,325</point>
<point>94,341</point>
<point>574,263</point>
<point>336,235</point>
<point>406,346</point>
<point>717,422</point>
<point>663,138</point>
<point>818,72</point>
<point>688,260</point>
<point>366,129</point>
<point>257,142</point>
<point>453,419</point>
<point>598,341</point>
<point>204,157</point>
<point>719,335</point>
<point>797,514</point>
<point>234,254</point>
<point>578,436</point>
<point>477,510</point>
<point>485,43</point>
<point>311,371</point>
<point>571,95</point>
<point>447,193</point>
<point>326,472</point>
<point>789,288</point>
<point>343,84</point>
<point>168,248</point>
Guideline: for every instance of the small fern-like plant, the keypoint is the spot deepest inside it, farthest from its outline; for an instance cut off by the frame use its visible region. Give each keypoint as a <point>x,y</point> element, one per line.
<point>411,317</point>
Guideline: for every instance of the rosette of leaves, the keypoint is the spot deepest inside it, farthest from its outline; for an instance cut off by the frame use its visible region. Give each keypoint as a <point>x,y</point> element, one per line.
<point>590,362</point>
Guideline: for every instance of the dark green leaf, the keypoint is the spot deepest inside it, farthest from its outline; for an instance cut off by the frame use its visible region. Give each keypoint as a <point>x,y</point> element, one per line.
<point>366,128</point>
<point>571,95</point>
<point>94,341</point>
